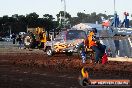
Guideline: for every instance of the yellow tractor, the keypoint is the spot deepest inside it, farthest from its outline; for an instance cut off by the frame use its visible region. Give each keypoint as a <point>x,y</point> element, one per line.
<point>35,38</point>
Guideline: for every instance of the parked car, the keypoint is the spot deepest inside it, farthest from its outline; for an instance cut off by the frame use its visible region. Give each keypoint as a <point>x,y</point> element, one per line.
<point>1,39</point>
<point>22,33</point>
<point>7,38</point>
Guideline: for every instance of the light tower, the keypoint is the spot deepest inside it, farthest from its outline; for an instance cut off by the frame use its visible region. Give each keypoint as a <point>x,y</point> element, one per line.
<point>64,11</point>
<point>115,15</point>
<point>114,7</point>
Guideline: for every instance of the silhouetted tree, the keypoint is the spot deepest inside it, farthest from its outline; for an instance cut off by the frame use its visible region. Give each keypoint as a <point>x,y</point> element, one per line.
<point>60,19</point>
<point>18,23</point>
<point>31,19</point>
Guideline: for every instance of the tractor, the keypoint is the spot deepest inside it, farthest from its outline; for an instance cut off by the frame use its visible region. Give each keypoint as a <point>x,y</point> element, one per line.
<point>34,38</point>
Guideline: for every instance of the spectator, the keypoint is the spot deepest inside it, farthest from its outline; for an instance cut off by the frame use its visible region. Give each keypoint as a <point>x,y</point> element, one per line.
<point>19,40</point>
<point>14,38</point>
<point>37,39</point>
<point>117,47</point>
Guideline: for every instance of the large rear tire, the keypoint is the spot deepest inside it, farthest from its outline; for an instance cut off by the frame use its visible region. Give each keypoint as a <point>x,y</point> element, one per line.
<point>28,41</point>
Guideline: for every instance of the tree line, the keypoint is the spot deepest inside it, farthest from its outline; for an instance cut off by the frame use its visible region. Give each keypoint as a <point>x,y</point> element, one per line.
<point>19,23</point>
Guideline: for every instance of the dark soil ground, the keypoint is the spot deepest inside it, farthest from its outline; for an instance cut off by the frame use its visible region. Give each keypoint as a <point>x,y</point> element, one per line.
<point>35,70</point>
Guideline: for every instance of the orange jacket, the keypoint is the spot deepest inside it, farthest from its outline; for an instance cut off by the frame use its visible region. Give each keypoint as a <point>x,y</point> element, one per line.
<point>90,40</point>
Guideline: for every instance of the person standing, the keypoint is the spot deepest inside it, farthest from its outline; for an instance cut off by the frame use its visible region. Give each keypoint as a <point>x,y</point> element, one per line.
<point>19,40</point>
<point>43,39</point>
<point>37,39</point>
<point>14,38</point>
<point>117,45</point>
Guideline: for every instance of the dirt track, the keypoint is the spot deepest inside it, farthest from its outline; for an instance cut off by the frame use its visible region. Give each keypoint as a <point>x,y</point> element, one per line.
<point>33,69</point>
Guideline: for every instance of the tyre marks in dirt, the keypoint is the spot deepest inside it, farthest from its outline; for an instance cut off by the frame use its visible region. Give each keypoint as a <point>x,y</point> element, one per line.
<point>16,77</point>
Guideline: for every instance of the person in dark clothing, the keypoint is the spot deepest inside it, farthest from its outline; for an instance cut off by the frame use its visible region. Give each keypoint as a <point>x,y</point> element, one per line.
<point>19,40</point>
<point>14,38</point>
<point>117,46</point>
<point>33,45</point>
<point>102,48</point>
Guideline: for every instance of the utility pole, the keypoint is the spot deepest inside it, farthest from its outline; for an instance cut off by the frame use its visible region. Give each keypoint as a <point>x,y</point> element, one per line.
<point>114,7</point>
<point>115,16</point>
<point>64,12</point>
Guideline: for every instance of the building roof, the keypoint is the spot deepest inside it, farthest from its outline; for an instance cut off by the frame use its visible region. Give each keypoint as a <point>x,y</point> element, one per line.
<point>88,26</point>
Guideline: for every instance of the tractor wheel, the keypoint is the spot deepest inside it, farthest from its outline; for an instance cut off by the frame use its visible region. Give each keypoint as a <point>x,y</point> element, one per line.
<point>28,41</point>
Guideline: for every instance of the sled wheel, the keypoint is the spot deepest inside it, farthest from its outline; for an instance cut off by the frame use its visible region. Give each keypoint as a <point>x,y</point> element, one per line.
<point>49,51</point>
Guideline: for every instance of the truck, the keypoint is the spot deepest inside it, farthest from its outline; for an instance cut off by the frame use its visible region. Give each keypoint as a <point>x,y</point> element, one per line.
<point>66,42</point>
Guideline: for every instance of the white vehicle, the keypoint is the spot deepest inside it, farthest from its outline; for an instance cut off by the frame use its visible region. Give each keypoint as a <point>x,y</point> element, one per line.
<point>66,42</point>
<point>22,33</point>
